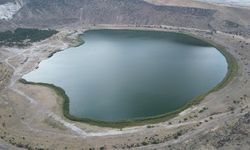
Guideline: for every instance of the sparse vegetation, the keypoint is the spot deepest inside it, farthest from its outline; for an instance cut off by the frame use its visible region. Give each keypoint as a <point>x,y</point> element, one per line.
<point>150,126</point>
<point>144,143</point>
<point>231,24</point>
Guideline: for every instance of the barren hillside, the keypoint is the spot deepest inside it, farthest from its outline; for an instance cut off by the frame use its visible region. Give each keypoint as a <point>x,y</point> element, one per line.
<point>54,13</point>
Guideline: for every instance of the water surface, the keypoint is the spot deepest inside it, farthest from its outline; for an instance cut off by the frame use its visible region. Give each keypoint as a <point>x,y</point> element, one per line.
<point>118,74</point>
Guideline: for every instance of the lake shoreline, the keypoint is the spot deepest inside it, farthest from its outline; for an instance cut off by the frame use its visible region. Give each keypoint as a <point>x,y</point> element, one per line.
<point>232,70</point>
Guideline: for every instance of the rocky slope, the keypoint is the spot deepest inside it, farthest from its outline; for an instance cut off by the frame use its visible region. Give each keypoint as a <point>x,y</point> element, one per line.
<point>38,13</point>
<point>54,13</point>
<point>9,8</point>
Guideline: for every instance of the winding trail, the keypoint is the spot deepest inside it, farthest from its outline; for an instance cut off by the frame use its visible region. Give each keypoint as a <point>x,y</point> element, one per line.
<point>15,77</point>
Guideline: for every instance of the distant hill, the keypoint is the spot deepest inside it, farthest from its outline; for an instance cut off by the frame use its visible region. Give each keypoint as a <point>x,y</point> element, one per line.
<point>55,13</point>
<point>45,13</point>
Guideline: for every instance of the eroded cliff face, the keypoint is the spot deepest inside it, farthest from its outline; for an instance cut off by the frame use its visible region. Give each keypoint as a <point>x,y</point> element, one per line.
<point>59,12</point>
<point>9,8</point>
<point>54,13</point>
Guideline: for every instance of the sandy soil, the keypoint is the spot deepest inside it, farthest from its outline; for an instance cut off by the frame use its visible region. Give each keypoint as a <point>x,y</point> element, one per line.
<point>31,115</point>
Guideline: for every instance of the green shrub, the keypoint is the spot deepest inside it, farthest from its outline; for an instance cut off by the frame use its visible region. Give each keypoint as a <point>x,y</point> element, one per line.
<point>24,37</point>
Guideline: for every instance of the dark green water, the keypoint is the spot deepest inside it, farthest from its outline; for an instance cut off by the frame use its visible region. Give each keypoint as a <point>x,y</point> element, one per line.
<point>120,75</point>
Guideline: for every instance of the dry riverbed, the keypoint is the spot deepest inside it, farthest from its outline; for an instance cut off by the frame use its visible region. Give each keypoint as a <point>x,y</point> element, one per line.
<point>31,115</point>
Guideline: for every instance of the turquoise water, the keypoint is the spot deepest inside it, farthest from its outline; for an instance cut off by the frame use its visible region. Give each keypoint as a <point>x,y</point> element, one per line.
<point>119,74</point>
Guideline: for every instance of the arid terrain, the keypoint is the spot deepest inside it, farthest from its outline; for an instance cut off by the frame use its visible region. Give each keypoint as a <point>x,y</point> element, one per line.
<point>31,116</point>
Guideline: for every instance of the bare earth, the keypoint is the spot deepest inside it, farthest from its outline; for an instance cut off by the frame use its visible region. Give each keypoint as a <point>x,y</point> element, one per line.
<point>31,115</point>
